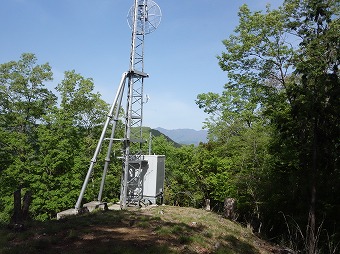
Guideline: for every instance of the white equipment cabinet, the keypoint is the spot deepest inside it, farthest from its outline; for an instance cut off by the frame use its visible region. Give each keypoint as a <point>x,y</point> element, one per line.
<point>153,177</point>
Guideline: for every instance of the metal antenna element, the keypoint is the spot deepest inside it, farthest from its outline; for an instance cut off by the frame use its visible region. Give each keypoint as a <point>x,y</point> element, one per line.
<point>143,18</point>
<point>148,20</point>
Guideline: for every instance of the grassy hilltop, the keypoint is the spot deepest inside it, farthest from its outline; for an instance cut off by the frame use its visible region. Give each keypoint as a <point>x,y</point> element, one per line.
<point>162,229</point>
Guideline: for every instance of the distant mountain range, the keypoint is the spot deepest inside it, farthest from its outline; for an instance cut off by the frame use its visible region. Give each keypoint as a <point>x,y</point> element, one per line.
<point>185,136</point>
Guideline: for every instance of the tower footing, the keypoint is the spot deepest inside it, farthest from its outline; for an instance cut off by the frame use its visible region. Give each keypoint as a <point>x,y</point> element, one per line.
<point>91,206</point>
<point>67,213</point>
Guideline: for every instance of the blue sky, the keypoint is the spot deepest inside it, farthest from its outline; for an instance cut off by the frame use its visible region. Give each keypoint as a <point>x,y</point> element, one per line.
<point>92,37</point>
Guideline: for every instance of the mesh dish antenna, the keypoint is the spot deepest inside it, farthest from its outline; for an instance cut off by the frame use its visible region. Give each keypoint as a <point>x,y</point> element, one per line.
<point>149,17</point>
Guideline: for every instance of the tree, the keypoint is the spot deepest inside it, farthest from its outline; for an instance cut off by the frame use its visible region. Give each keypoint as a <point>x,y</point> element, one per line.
<point>257,62</point>
<point>67,139</point>
<point>316,89</point>
<point>24,101</point>
<point>45,147</point>
<point>283,73</point>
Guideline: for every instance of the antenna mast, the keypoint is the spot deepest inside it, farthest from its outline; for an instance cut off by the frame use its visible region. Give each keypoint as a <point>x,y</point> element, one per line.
<point>143,18</point>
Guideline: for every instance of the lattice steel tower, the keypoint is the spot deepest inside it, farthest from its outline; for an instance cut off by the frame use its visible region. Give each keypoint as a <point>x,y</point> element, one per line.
<point>143,18</point>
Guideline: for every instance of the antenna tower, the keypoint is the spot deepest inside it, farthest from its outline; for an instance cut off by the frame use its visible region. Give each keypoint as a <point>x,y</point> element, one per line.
<point>143,18</point>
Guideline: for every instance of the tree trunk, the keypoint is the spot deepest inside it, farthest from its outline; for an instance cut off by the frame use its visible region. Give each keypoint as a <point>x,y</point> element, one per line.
<point>229,210</point>
<point>207,204</point>
<point>311,231</point>
<point>26,205</point>
<point>17,213</point>
<point>20,211</point>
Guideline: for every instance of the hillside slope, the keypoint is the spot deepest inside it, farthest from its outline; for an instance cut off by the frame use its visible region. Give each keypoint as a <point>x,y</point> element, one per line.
<point>155,133</point>
<point>162,229</point>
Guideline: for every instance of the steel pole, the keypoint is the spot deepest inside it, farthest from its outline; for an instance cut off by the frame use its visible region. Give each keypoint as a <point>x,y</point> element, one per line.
<point>107,159</point>
<point>100,142</point>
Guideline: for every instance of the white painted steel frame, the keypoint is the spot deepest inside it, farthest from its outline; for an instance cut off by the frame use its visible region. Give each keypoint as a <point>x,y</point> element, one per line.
<point>131,182</point>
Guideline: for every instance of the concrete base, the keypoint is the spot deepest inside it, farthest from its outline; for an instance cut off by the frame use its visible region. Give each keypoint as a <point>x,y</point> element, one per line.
<point>67,213</point>
<point>91,206</point>
<point>115,207</point>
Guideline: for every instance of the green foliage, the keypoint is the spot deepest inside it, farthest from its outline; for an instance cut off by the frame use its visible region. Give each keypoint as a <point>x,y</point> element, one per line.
<point>46,147</point>
<point>68,138</point>
<point>276,124</point>
<point>23,102</point>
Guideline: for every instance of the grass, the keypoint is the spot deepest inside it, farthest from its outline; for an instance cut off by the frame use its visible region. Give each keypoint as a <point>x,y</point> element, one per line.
<point>162,229</point>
